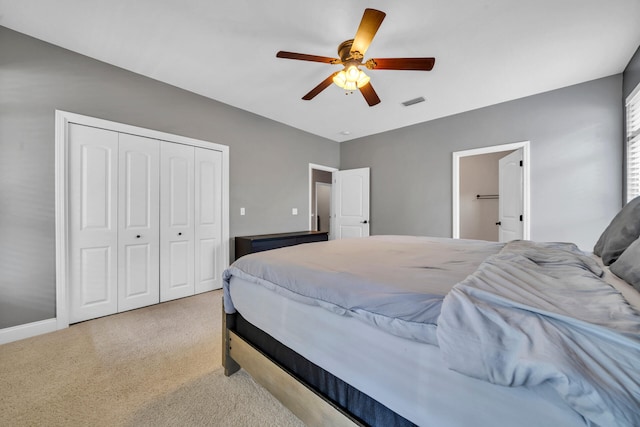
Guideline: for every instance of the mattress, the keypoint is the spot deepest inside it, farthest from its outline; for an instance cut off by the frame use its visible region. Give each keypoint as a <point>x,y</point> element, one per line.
<point>537,318</point>
<point>408,377</point>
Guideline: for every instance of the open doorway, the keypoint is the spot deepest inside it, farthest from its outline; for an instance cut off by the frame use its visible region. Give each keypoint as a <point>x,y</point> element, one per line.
<point>483,207</point>
<point>319,204</point>
<point>323,207</point>
<point>479,196</point>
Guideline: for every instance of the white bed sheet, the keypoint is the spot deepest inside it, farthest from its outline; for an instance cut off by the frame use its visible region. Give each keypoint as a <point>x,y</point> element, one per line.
<point>406,376</point>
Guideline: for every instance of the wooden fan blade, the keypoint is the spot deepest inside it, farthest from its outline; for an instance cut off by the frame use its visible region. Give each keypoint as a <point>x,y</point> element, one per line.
<point>322,86</point>
<point>420,64</point>
<point>305,57</point>
<point>369,94</point>
<point>368,28</point>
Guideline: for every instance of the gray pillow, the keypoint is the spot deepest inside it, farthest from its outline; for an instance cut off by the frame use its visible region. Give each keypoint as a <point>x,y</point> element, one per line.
<point>623,230</point>
<point>627,266</point>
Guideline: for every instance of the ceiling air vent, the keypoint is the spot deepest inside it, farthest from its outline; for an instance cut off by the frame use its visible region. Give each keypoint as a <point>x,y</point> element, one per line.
<point>413,101</point>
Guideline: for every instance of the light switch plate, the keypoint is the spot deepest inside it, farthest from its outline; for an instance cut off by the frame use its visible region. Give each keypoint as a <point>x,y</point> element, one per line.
<point>294,211</point>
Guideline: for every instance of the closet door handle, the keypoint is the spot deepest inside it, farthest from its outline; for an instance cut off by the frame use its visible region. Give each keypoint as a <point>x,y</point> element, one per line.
<point>180,234</point>
<point>138,236</point>
<point>499,223</point>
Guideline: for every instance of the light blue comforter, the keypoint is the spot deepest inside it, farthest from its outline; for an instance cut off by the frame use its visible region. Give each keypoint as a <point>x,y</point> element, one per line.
<point>396,283</point>
<point>540,314</point>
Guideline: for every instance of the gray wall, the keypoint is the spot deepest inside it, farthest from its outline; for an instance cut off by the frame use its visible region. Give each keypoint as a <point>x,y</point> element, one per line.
<point>269,162</point>
<point>576,163</point>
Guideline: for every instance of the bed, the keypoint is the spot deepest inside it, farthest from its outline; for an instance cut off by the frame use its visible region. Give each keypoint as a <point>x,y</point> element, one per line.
<point>405,330</point>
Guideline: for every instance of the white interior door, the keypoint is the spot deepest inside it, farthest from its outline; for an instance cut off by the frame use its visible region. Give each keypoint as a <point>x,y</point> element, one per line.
<point>138,222</point>
<point>208,220</point>
<point>350,203</point>
<point>93,229</point>
<point>176,221</point>
<point>511,199</point>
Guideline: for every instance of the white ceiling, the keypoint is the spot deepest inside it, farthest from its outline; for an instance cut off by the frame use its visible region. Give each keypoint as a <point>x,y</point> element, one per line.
<point>487,51</point>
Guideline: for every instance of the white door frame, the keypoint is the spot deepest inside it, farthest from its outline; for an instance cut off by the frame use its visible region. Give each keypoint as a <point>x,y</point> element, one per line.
<point>63,119</point>
<point>457,155</point>
<point>313,166</point>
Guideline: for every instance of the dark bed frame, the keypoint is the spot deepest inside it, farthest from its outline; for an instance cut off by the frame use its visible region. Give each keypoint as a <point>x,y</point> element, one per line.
<point>313,394</point>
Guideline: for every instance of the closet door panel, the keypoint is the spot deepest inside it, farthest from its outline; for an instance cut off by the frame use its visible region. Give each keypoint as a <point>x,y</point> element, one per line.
<point>93,230</point>
<point>208,217</point>
<point>95,281</point>
<point>176,221</point>
<point>139,222</point>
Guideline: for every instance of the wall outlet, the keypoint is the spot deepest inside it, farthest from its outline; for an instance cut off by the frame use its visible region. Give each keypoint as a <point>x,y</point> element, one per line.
<point>242,212</point>
<point>294,211</point>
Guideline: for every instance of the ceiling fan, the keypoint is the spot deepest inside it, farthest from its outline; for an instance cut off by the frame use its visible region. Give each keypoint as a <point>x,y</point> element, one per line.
<point>351,54</point>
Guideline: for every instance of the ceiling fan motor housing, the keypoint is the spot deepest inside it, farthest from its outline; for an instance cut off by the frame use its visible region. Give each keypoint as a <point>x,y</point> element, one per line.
<point>344,52</point>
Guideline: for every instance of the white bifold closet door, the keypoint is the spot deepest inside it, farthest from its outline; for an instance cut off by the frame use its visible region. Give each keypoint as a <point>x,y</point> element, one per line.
<point>190,218</point>
<point>208,219</point>
<point>114,222</point>
<point>176,221</point>
<point>145,221</point>
<point>93,222</point>
<point>138,222</point>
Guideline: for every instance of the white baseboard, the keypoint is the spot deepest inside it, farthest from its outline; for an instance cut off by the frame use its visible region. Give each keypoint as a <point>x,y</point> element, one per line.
<point>28,330</point>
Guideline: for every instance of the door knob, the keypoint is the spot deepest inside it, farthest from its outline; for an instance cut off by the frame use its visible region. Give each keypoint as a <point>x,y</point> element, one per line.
<point>364,222</point>
<point>499,223</point>
<point>180,234</point>
<point>138,236</point>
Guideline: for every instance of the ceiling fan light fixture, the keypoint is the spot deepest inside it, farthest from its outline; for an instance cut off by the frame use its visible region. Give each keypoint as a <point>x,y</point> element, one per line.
<point>352,72</point>
<point>363,79</point>
<point>351,78</point>
<point>344,81</point>
<point>340,79</point>
<point>350,86</point>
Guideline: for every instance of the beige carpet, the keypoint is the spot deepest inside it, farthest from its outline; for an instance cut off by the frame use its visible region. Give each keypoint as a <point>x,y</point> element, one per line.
<point>155,366</point>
